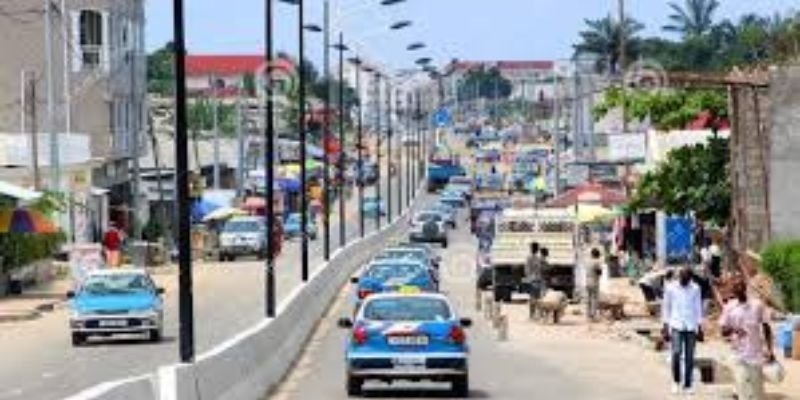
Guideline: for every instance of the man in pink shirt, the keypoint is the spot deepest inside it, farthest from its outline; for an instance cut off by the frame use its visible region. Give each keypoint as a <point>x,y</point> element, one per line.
<point>745,325</point>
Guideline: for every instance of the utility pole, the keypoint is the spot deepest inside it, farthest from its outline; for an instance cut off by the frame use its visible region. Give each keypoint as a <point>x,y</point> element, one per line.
<point>557,130</point>
<point>55,173</point>
<point>135,112</point>
<point>389,159</point>
<point>215,109</point>
<point>378,196</point>
<point>326,134</point>
<point>240,143</point>
<point>30,112</point>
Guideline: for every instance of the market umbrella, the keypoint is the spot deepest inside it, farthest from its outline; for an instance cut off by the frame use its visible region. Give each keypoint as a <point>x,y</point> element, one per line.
<point>21,220</point>
<point>224,213</point>
<point>201,208</point>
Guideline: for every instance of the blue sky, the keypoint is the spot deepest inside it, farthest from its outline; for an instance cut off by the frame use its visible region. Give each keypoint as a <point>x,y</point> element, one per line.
<point>465,29</point>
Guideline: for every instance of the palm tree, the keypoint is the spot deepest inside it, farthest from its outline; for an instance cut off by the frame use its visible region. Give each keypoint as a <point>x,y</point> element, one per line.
<point>602,38</point>
<point>695,18</point>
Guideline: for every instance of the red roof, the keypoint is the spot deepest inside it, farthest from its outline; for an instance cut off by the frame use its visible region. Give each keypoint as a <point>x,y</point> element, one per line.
<point>224,65</point>
<point>590,192</point>
<point>705,121</point>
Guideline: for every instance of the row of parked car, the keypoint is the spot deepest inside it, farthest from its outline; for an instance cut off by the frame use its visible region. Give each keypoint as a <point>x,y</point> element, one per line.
<point>403,328</point>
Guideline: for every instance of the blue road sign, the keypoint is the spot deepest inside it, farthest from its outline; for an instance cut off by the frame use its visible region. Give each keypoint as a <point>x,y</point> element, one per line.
<point>680,235</point>
<point>442,117</point>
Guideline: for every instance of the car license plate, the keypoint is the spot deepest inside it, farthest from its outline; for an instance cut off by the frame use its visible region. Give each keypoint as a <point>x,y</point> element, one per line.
<point>409,362</point>
<point>113,323</point>
<point>408,340</point>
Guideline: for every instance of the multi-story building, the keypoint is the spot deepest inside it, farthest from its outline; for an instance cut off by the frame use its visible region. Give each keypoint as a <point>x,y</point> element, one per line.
<point>75,74</point>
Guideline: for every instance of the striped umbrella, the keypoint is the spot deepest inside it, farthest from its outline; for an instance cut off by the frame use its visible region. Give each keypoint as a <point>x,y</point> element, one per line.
<point>22,220</point>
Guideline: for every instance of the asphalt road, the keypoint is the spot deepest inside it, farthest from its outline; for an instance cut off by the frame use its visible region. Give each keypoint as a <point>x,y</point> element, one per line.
<point>39,362</point>
<point>498,370</point>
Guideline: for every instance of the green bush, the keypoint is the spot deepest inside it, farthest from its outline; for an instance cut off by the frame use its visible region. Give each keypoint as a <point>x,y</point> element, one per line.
<point>781,260</point>
<point>20,249</point>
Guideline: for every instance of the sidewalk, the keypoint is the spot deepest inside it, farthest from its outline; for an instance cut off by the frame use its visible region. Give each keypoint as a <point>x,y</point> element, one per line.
<point>651,368</point>
<point>35,301</point>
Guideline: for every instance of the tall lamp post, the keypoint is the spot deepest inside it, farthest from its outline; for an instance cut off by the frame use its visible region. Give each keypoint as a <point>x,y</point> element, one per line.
<point>185,296</point>
<point>269,158</point>
<point>341,48</point>
<point>360,145</point>
<point>301,127</point>
<point>389,151</point>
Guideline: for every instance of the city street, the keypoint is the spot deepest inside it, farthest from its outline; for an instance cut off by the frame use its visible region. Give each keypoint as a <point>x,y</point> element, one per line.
<point>563,367</point>
<point>39,361</point>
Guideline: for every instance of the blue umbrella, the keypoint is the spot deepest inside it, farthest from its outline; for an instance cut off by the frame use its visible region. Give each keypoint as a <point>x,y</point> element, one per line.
<point>201,208</point>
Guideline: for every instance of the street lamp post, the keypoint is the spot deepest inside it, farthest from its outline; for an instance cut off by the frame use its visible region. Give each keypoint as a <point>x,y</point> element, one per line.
<point>399,168</point>
<point>388,151</point>
<point>301,127</point>
<point>342,228</point>
<point>269,158</point>
<point>378,145</point>
<point>360,146</point>
<point>185,296</point>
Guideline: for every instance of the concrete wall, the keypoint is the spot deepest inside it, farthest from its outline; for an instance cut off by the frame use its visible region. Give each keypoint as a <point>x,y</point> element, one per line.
<point>784,164</point>
<point>254,362</point>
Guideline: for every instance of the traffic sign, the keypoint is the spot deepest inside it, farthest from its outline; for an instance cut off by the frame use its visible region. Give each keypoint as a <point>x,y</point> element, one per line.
<point>442,117</point>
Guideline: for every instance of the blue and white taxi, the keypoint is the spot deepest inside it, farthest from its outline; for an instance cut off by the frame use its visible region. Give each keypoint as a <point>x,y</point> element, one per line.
<point>392,275</point>
<point>407,337</point>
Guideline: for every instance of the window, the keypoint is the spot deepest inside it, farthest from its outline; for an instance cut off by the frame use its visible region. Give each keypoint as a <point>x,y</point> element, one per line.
<point>91,38</point>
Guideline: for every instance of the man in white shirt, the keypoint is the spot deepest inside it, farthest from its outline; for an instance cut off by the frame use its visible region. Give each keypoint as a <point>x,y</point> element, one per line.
<point>682,313</point>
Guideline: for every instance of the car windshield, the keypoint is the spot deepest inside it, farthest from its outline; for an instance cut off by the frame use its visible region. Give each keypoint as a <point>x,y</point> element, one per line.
<point>384,272</point>
<point>105,285</point>
<point>293,219</point>
<point>407,309</point>
<point>429,216</point>
<point>242,226</point>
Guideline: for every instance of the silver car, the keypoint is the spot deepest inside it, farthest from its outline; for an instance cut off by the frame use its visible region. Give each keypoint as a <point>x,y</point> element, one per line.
<point>243,236</point>
<point>428,227</point>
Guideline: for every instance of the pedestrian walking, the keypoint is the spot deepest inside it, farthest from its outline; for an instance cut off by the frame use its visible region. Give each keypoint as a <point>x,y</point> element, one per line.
<point>532,279</point>
<point>593,273</point>
<point>682,313</point>
<point>544,269</point>
<point>744,324</point>
<point>112,245</point>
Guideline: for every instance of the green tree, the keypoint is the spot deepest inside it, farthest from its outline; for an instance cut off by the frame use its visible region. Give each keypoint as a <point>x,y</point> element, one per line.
<point>694,18</point>
<point>200,116</point>
<point>665,109</point>
<point>160,70</point>
<point>484,83</point>
<point>602,38</point>
<point>692,180</point>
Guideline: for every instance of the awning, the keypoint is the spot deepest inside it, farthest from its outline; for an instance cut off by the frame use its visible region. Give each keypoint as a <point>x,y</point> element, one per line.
<point>18,192</point>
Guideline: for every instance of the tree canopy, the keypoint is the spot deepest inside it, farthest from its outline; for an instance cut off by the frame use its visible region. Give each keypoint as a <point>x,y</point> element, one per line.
<point>160,70</point>
<point>484,83</point>
<point>665,109</point>
<point>692,180</point>
<point>694,18</point>
<point>602,38</point>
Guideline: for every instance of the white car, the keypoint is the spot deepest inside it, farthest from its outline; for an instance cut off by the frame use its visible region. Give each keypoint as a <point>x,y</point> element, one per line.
<point>428,227</point>
<point>243,236</point>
